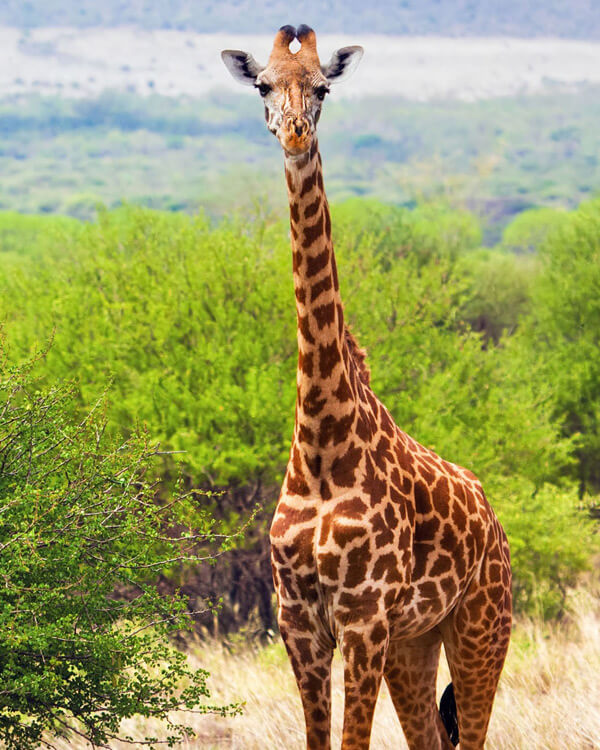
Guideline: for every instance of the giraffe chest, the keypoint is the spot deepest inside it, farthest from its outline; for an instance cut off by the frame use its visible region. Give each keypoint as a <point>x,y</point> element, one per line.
<point>342,556</point>
<point>380,540</point>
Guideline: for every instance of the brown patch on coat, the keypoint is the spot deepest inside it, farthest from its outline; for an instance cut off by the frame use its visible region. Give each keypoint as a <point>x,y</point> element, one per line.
<point>316,263</point>
<point>344,467</point>
<point>312,404</point>
<point>308,184</point>
<point>325,314</point>
<point>312,232</point>
<point>329,356</point>
<point>343,392</point>
<point>321,286</point>
<point>312,208</point>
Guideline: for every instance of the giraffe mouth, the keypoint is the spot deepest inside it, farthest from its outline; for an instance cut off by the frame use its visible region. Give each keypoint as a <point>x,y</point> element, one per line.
<point>296,146</point>
<point>295,136</point>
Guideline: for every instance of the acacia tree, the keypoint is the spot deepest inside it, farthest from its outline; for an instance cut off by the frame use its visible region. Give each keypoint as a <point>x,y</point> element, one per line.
<point>83,632</point>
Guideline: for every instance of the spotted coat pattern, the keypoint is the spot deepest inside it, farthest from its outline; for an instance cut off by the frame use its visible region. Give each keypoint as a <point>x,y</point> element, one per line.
<point>379,546</point>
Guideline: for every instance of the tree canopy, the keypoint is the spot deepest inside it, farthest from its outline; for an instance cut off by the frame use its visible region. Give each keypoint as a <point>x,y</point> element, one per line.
<point>488,357</point>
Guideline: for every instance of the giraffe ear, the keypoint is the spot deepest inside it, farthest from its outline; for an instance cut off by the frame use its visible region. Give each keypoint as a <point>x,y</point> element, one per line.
<point>242,66</point>
<point>342,64</point>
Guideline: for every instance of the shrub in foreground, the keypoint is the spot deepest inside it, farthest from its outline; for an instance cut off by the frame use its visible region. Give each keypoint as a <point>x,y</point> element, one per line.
<point>83,632</point>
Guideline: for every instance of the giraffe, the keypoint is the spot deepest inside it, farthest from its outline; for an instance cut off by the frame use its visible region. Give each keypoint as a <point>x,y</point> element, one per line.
<point>379,547</point>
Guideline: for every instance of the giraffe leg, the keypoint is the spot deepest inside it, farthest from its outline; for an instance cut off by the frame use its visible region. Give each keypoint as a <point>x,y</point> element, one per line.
<point>363,651</point>
<point>410,672</point>
<point>310,657</point>
<point>476,637</point>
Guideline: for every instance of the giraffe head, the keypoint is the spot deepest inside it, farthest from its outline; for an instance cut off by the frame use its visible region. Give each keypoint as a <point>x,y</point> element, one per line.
<point>293,85</point>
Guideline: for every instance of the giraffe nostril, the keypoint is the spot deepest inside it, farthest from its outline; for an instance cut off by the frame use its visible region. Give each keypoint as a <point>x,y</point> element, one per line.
<point>299,129</point>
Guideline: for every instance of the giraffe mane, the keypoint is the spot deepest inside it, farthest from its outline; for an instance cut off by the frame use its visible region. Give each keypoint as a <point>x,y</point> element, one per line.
<point>358,356</point>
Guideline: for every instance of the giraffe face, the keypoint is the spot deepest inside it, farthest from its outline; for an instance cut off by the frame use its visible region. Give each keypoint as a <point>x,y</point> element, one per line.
<point>293,85</point>
<point>293,97</point>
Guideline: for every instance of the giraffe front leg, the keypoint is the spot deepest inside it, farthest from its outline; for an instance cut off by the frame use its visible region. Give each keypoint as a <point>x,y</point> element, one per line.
<point>310,655</point>
<point>364,652</point>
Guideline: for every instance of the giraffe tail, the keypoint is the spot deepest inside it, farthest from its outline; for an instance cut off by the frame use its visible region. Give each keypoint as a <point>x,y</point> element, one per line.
<point>448,714</point>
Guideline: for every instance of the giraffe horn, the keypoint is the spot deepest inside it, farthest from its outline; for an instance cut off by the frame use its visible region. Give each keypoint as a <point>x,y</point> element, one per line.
<point>283,39</point>
<point>307,38</point>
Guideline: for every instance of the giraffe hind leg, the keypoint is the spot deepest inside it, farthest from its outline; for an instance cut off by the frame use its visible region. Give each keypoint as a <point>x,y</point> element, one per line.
<point>411,675</point>
<point>476,636</point>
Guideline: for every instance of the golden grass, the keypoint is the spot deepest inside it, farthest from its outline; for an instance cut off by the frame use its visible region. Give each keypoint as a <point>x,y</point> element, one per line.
<point>549,696</point>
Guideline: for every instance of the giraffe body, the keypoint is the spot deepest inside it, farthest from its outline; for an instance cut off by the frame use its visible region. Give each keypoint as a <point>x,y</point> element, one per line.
<point>379,546</point>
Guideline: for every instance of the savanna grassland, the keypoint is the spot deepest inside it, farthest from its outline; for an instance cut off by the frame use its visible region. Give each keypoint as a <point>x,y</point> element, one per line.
<point>488,355</point>
<point>147,387</point>
<point>547,699</point>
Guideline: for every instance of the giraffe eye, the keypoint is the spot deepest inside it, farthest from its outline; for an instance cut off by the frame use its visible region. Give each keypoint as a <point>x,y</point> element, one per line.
<point>263,88</point>
<point>321,92</point>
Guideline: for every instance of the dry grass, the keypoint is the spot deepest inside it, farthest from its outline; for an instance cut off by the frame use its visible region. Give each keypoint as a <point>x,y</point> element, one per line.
<point>549,698</point>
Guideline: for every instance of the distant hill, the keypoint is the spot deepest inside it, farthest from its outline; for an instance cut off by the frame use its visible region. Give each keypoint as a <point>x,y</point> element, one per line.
<point>577,19</point>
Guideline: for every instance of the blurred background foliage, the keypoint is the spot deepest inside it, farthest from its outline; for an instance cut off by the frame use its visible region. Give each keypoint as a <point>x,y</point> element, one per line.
<point>496,157</point>
<point>489,356</point>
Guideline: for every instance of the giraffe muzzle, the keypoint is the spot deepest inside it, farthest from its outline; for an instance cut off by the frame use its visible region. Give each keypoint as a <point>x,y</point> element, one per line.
<point>295,134</point>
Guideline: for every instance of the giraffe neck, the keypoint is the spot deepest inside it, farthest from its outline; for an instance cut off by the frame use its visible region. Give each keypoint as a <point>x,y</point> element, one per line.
<point>327,381</point>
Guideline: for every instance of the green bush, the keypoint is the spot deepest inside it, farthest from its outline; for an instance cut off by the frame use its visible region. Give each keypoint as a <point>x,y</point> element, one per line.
<point>195,326</point>
<point>564,332</point>
<point>530,229</point>
<point>499,293</point>
<point>191,324</point>
<point>32,236</point>
<point>550,538</point>
<point>84,631</point>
